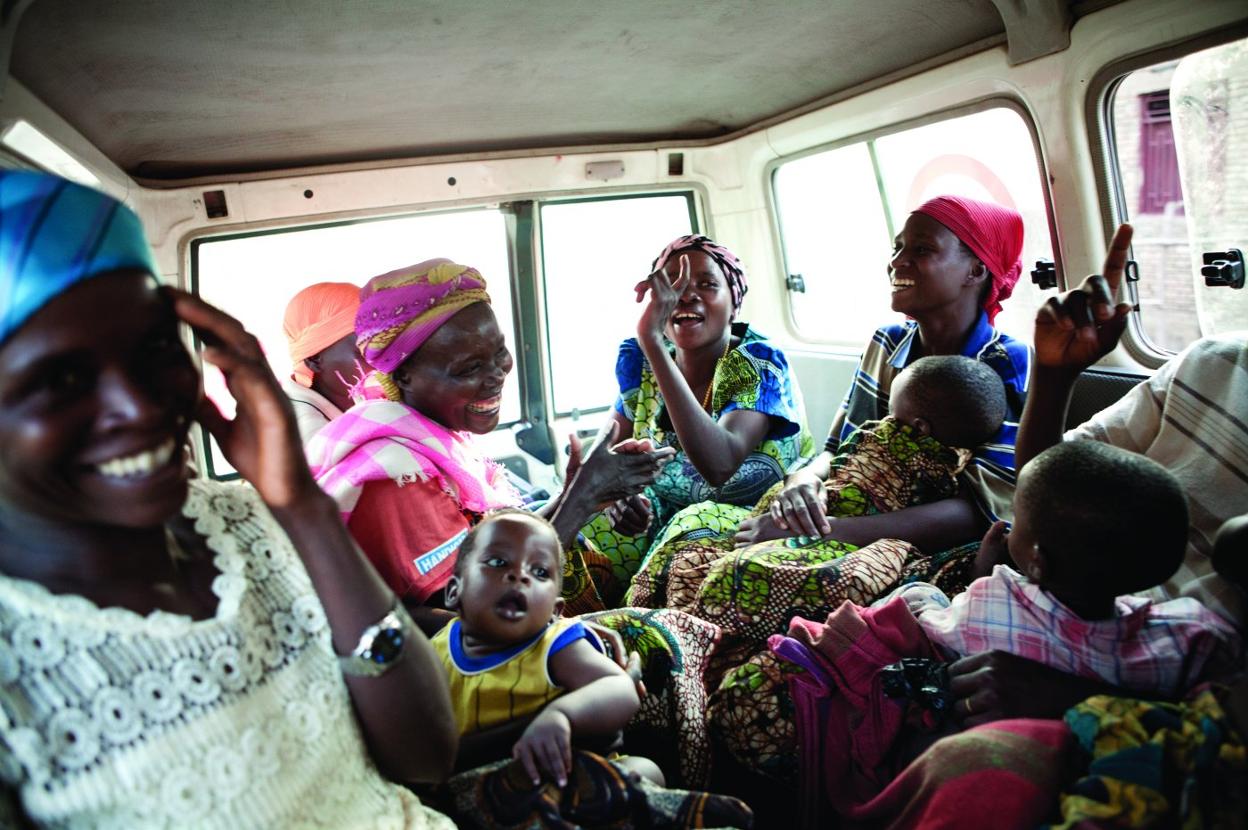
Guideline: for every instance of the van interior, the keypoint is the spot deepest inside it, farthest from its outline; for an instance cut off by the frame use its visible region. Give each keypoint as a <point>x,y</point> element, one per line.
<point>558,146</point>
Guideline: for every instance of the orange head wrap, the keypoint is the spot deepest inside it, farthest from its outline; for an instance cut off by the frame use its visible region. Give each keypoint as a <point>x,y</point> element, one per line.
<point>317,318</point>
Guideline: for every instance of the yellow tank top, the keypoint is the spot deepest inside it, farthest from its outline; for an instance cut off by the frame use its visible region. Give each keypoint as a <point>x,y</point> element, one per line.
<point>511,684</point>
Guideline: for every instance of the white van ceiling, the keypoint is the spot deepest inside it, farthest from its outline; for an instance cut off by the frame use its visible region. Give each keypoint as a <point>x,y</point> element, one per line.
<point>173,89</point>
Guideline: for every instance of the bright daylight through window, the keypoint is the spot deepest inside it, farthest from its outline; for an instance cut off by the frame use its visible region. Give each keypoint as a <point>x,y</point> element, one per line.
<point>253,277</point>
<point>840,209</point>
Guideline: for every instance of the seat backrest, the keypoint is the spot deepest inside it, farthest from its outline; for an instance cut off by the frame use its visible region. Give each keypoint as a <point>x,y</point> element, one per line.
<point>824,378</point>
<point>1096,389</point>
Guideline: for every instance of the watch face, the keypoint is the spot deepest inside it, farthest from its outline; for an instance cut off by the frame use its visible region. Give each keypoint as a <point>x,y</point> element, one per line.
<point>387,646</point>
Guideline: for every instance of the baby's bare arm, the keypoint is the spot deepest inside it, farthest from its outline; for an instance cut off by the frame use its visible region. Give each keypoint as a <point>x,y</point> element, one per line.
<point>600,700</point>
<point>601,697</point>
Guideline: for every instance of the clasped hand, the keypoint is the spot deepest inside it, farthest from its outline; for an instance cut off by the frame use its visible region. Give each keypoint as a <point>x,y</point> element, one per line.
<point>612,471</point>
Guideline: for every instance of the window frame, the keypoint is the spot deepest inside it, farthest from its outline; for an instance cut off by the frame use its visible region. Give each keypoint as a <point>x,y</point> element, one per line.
<point>1103,143</point>
<point>695,197</point>
<point>965,108</point>
<point>194,242</point>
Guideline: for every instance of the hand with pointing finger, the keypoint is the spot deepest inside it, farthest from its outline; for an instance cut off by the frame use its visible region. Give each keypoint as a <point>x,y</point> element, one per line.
<point>1079,327</point>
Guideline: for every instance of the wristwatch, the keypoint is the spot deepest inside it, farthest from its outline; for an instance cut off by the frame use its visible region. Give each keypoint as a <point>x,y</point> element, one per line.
<point>381,645</point>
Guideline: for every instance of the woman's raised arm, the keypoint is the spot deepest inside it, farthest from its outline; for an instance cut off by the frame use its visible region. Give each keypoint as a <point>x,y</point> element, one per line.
<point>716,448</point>
<point>405,713</point>
<point>1073,331</point>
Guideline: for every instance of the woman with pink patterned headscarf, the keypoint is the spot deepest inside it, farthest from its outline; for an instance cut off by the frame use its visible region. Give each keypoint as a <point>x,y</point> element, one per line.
<point>403,464</point>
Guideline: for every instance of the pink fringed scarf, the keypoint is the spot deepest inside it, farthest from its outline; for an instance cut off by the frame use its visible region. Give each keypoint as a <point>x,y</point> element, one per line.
<point>379,439</point>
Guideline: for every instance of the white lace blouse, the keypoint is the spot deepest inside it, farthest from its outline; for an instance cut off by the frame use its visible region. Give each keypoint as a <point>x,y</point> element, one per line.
<point>111,719</point>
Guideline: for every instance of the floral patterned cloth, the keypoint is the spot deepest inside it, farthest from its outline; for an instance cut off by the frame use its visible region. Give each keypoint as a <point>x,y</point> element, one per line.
<point>599,794</point>
<point>882,467</point>
<point>755,376</point>
<point>754,592</point>
<point>1151,764</point>
<point>750,712</point>
<point>675,651</point>
<point>111,719</point>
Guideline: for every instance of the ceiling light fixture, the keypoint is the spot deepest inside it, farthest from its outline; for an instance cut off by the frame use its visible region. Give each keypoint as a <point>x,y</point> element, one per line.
<point>23,138</point>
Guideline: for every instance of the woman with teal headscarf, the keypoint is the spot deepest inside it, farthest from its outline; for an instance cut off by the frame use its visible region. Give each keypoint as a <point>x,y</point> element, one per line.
<point>168,647</point>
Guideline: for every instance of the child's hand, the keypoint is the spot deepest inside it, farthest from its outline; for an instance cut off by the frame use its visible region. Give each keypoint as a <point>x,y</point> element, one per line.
<point>546,747</point>
<point>993,550</point>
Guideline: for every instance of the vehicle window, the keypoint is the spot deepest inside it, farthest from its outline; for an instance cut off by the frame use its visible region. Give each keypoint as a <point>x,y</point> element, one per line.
<point>1179,129</point>
<point>253,277</point>
<point>593,253</point>
<point>840,209</point>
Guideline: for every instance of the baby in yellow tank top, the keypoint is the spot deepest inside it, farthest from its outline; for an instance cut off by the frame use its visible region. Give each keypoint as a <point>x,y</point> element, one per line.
<point>523,679</point>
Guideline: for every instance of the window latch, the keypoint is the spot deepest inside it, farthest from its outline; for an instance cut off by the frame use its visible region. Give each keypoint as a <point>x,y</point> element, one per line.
<point>795,283</point>
<point>1044,275</point>
<point>1223,268</point>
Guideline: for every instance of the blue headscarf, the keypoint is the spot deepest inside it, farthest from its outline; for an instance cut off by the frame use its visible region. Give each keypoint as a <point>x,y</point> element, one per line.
<point>55,234</point>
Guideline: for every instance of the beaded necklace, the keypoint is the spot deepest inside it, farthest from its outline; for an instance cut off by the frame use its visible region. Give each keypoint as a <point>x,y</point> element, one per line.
<point>710,387</point>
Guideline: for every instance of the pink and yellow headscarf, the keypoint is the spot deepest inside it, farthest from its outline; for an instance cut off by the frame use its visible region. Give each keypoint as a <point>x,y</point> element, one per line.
<point>400,310</point>
<point>317,318</point>
<point>734,271</point>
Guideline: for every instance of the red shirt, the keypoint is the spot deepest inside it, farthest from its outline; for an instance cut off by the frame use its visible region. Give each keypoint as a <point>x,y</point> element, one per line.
<point>411,534</point>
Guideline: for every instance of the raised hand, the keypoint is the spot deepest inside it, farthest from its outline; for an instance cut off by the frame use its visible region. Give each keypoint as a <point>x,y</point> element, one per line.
<point>1079,327</point>
<point>261,441</point>
<point>664,296</point>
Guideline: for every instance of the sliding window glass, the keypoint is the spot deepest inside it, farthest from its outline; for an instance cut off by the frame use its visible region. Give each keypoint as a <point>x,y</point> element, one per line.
<point>593,253</point>
<point>1180,165</point>
<point>840,209</point>
<point>254,276</point>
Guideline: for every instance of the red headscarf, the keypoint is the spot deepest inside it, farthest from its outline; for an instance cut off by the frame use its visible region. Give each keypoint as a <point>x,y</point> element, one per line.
<point>317,318</point>
<point>992,232</point>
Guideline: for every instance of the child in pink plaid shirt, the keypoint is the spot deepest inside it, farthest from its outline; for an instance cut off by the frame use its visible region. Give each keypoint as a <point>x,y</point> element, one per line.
<point>1093,524</point>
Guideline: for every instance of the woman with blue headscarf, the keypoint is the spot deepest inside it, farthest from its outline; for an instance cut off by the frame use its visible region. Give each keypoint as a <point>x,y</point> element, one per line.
<point>169,648</point>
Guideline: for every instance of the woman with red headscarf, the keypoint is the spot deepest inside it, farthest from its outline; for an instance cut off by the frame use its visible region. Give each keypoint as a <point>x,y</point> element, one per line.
<point>953,263</point>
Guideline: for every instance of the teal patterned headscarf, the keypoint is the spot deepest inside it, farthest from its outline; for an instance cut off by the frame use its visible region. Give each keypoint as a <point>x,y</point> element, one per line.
<point>55,234</point>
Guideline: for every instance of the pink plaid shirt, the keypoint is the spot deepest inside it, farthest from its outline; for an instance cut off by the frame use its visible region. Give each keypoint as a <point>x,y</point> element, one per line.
<point>1146,647</point>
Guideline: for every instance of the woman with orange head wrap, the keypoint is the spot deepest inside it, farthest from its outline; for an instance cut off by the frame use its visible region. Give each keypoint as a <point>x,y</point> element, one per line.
<point>320,330</point>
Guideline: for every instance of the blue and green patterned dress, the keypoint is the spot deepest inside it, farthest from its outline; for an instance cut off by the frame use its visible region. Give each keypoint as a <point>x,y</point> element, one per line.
<point>755,375</point>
